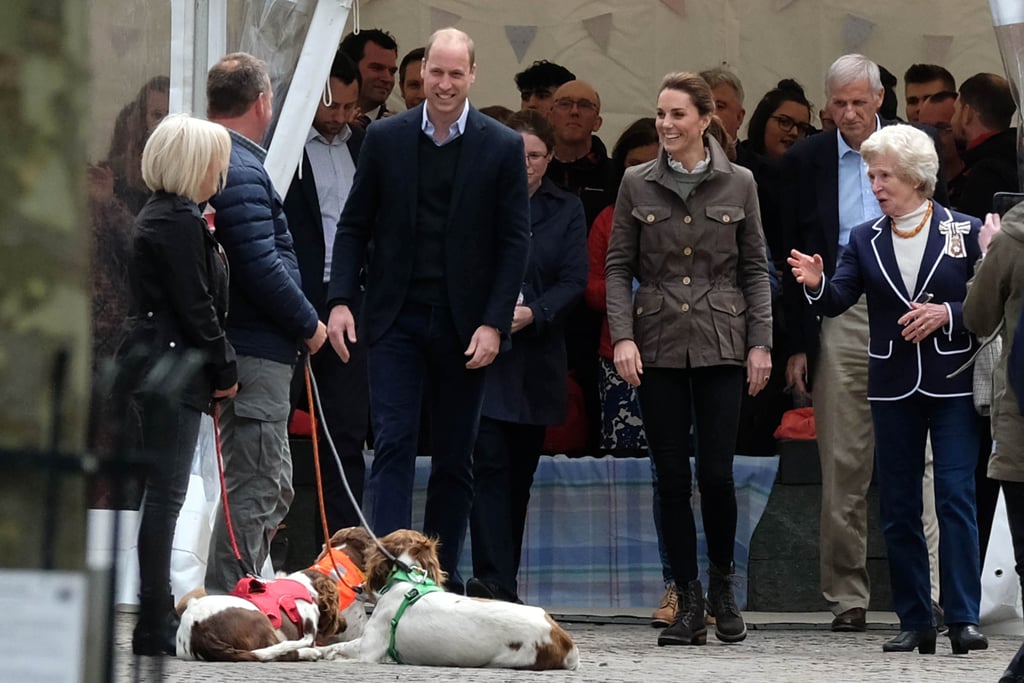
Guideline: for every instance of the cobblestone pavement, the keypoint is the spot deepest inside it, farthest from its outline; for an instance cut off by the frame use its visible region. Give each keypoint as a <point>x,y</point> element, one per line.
<point>619,653</point>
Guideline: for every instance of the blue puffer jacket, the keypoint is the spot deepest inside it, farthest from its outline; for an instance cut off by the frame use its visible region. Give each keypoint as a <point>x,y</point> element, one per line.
<point>268,315</point>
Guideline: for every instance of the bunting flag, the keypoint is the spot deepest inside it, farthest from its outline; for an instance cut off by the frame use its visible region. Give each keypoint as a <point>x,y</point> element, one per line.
<point>440,18</point>
<point>520,38</point>
<point>856,31</point>
<point>937,48</point>
<point>677,6</point>
<point>600,29</point>
<point>779,5</point>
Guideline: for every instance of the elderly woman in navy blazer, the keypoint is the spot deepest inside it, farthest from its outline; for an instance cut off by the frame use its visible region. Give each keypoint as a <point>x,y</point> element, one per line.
<point>913,264</point>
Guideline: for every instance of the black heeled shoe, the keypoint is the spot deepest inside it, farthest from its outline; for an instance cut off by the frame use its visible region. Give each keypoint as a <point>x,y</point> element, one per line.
<point>966,637</point>
<point>908,641</point>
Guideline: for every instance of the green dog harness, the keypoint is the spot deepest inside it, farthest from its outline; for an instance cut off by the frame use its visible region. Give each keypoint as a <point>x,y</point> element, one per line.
<point>424,585</point>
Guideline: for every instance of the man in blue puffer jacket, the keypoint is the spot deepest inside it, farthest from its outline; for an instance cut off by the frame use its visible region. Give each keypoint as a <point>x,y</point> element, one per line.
<point>268,318</point>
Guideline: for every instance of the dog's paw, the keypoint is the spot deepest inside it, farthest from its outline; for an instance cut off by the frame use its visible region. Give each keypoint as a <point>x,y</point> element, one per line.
<point>309,654</point>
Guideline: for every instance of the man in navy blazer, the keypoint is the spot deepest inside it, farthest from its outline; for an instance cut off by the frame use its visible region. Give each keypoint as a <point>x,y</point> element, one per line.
<point>825,193</point>
<point>313,205</point>
<point>440,196</point>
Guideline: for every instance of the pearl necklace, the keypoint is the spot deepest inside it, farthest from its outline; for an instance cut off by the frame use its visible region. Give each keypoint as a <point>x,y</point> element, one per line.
<point>920,226</point>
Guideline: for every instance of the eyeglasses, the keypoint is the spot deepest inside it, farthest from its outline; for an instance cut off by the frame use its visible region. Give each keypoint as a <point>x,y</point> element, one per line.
<point>787,123</point>
<point>535,157</point>
<point>539,93</point>
<point>566,104</point>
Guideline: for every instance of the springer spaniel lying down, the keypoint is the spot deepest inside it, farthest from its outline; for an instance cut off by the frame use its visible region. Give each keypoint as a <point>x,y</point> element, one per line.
<point>283,619</point>
<point>445,629</point>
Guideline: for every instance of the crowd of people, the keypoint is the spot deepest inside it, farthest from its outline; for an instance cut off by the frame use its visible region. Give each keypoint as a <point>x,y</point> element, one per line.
<point>493,285</point>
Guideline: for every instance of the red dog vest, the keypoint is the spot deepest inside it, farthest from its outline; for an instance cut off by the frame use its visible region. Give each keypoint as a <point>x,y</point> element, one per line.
<point>271,597</point>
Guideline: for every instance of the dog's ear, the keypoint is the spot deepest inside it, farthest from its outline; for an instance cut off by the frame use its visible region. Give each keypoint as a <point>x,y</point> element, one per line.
<point>327,601</point>
<point>378,568</point>
<point>424,553</point>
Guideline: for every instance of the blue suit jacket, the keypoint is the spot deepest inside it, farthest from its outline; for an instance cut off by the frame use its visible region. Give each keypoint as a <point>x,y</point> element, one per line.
<point>898,368</point>
<point>809,211</point>
<point>486,238</point>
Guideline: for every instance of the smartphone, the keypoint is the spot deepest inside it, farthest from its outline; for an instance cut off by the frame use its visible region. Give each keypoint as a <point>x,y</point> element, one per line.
<point>923,298</point>
<point>1004,201</point>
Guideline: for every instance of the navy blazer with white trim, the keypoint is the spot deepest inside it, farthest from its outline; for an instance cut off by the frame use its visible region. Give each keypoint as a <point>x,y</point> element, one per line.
<point>898,368</point>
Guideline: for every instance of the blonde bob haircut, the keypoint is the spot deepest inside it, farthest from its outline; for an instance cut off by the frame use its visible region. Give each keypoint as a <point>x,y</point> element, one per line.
<point>912,150</point>
<point>179,154</point>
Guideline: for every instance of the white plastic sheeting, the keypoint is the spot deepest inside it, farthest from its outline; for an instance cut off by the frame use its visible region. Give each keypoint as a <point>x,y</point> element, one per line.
<point>762,40</point>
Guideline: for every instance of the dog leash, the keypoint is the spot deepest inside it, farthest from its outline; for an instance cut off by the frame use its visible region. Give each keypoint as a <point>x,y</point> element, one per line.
<point>341,470</point>
<point>340,573</point>
<point>224,493</point>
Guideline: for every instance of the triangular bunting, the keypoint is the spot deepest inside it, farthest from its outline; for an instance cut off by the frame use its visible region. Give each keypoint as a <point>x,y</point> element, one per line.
<point>440,18</point>
<point>856,31</point>
<point>937,48</point>
<point>677,6</point>
<point>520,38</point>
<point>600,29</point>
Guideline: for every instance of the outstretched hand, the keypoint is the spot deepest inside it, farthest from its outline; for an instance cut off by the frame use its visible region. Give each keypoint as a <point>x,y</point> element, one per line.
<point>806,269</point>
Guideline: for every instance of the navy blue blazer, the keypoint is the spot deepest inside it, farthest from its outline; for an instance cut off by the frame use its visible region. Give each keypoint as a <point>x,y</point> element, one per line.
<point>809,211</point>
<point>898,368</point>
<point>486,238</point>
<point>526,385</point>
<point>302,206</point>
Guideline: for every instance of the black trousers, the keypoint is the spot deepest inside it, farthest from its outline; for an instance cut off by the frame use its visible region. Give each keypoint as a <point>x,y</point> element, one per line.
<point>504,462</point>
<point>1013,492</point>
<point>169,436</point>
<point>708,399</point>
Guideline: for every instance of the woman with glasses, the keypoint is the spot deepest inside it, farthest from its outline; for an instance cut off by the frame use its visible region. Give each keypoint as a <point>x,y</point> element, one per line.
<point>175,335</point>
<point>524,391</point>
<point>687,228</point>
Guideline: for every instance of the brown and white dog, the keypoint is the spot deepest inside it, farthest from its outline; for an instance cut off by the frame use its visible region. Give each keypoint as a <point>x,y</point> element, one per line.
<point>445,629</point>
<point>283,619</point>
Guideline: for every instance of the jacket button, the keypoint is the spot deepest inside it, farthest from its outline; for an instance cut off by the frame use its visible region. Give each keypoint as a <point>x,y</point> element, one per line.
<point>639,310</point>
<point>688,219</point>
<point>686,308</point>
<point>686,280</point>
<point>725,218</point>
<point>172,345</point>
<point>150,314</point>
<point>687,251</point>
<point>650,218</point>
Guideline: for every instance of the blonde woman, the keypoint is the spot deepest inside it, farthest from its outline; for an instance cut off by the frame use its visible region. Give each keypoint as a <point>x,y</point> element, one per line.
<point>179,293</point>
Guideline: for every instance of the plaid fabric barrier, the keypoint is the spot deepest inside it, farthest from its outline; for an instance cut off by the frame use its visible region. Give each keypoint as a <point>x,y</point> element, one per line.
<point>590,539</point>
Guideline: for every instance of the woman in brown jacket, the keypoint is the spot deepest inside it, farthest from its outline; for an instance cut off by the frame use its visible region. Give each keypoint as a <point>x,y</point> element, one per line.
<point>687,227</point>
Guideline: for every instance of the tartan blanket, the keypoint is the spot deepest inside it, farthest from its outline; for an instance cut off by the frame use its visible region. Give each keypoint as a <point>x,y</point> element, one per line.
<point>590,538</point>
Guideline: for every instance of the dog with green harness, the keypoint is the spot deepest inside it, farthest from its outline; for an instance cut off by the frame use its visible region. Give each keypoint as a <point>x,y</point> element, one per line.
<point>415,621</point>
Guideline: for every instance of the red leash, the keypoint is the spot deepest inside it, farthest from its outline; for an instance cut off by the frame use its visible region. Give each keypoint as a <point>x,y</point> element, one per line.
<point>316,469</point>
<point>224,491</point>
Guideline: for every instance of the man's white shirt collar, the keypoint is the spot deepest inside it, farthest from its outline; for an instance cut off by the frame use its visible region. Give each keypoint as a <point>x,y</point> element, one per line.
<point>339,139</point>
<point>454,131</point>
